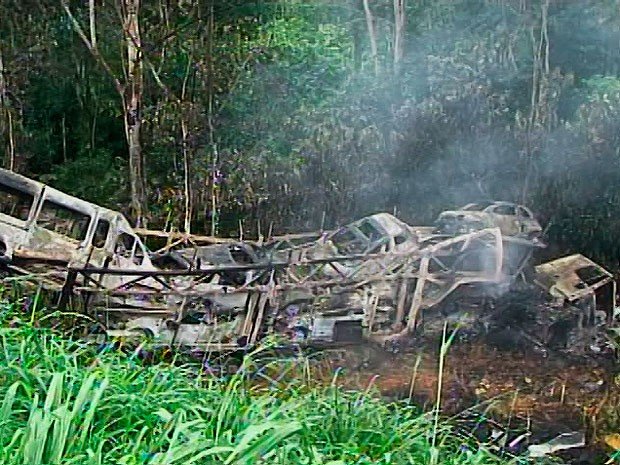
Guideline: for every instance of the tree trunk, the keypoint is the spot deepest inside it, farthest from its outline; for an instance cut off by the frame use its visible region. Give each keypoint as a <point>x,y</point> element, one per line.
<point>130,92</point>
<point>372,33</point>
<point>399,33</point>
<point>187,180</point>
<point>187,113</point>
<point>6,120</point>
<point>539,110</point>
<point>91,17</point>
<point>132,107</point>
<point>214,152</point>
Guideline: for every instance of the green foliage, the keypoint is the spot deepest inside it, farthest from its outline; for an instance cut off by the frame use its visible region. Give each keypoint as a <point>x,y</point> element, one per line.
<point>92,177</point>
<point>63,403</point>
<point>287,123</point>
<point>601,87</point>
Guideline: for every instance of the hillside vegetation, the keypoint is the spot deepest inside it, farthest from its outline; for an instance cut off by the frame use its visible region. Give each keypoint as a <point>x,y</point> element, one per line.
<point>64,403</point>
<point>294,113</point>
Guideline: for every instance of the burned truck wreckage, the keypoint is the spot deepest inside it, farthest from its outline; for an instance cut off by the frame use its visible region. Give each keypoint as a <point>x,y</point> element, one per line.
<point>376,279</point>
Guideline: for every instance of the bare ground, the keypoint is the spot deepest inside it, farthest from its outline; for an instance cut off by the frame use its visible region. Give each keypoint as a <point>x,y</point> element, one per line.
<point>547,395</point>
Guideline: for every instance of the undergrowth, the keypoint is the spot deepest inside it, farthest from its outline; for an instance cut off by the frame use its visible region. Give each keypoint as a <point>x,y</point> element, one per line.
<point>63,402</point>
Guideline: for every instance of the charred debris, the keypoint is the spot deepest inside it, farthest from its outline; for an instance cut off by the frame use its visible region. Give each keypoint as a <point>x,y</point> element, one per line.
<point>376,279</point>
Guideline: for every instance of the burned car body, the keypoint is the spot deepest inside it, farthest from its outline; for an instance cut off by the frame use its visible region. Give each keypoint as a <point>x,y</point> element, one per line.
<point>391,292</point>
<point>325,298</point>
<point>567,308</point>
<point>237,253</point>
<point>576,278</point>
<point>582,297</point>
<point>213,315</point>
<point>380,232</point>
<point>512,219</point>
<point>41,227</point>
<point>520,231</point>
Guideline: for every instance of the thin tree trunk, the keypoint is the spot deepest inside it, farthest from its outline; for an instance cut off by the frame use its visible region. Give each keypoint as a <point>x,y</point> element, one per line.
<point>6,119</point>
<point>372,33</point>
<point>399,33</point>
<point>63,126</point>
<point>536,52</point>
<point>214,153</point>
<point>540,112</point>
<point>93,29</point>
<point>11,147</point>
<point>186,117</point>
<point>130,93</point>
<point>133,101</point>
<point>186,175</point>
<point>540,70</point>
<point>545,81</point>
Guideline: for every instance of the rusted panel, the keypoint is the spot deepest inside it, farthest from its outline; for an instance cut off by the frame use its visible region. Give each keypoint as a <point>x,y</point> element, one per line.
<point>572,277</point>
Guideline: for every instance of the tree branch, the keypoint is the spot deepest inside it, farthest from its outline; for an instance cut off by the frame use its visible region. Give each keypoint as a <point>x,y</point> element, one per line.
<point>92,48</point>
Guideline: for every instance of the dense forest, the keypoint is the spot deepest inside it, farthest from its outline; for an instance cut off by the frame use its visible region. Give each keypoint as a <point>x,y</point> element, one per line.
<point>210,116</point>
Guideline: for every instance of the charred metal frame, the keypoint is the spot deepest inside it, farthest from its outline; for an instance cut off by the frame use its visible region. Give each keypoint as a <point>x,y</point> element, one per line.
<point>318,277</point>
<point>414,280</point>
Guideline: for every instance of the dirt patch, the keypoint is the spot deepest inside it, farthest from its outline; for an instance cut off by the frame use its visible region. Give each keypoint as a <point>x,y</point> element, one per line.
<point>547,395</point>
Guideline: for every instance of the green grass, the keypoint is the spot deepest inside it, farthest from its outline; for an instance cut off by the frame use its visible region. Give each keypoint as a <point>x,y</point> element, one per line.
<point>63,403</point>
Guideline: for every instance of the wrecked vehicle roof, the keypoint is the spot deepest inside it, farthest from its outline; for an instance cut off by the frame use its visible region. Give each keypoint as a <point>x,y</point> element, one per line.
<point>371,233</point>
<point>392,225</point>
<point>571,277</point>
<point>513,219</point>
<point>40,222</point>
